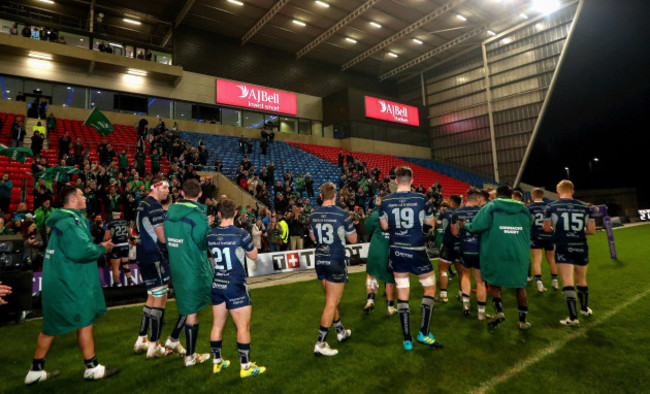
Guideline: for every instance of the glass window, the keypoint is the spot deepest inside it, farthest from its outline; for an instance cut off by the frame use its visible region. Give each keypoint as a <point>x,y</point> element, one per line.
<point>159,107</point>
<point>252,120</point>
<point>288,125</point>
<point>10,87</point>
<point>5,26</point>
<point>101,99</point>
<point>182,110</point>
<point>129,51</point>
<point>317,129</point>
<point>75,40</point>
<point>304,126</point>
<point>161,57</point>
<point>33,84</point>
<point>69,96</point>
<point>272,122</point>
<point>230,117</point>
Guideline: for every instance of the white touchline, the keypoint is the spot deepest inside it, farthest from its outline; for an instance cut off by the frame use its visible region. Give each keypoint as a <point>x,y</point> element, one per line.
<point>554,347</point>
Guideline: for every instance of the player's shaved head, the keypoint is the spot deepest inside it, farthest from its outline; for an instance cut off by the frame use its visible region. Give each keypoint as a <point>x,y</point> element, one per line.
<point>328,191</point>
<point>565,187</point>
<point>227,209</point>
<point>537,193</point>
<point>403,175</point>
<point>473,195</point>
<point>455,201</point>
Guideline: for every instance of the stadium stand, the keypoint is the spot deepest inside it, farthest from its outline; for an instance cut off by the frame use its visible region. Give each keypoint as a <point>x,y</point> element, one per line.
<point>283,155</point>
<point>123,137</point>
<point>465,176</point>
<point>19,173</point>
<point>422,175</point>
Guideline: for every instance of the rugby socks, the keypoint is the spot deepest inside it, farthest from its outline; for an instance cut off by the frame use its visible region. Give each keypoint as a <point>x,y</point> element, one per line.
<point>370,297</point>
<point>443,293</point>
<point>338,326</point>
<point>523,311</point>
<point>390,303</point>
<point>554,279</point>
<point>244,350</point>
<point>570,297</point>
<point>405,318</point>
<point>180,323</point>
<point>91,362</point>
<point>156,324</point>
<point>146,319</point>
<point>481,307</point>
<point>498,305</point>
<point>583,296</point>
<point>191,335</point>
<point>215,348</point>
<point>538,278</point>
<point>38,364</point>
<point>427,311</point>
<point>465,298</point>
<point>322,334</point>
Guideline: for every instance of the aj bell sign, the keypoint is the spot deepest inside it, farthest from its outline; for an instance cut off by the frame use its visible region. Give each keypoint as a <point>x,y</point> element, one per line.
<point>295,260</point>
<point>392,112</point>
<point>256,97</point>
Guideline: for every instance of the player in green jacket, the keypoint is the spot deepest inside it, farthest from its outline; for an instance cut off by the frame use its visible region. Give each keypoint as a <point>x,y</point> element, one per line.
<point>72,295</point>
<point>377,263</point>
<point>186,228</point>
<point>504,225</point>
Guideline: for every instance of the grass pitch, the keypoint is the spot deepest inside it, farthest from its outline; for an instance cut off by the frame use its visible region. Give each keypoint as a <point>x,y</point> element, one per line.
<point>607,354</point>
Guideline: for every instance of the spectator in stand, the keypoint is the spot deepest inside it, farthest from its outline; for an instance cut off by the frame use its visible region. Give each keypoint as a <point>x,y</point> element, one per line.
<point>17,133</point>
<point>309,185</point>
<point>139,162</point>
<point>42,213</point>
<point>296,223</point>
<point>34,247</point>
<point>64,145</point>
<point>284,231</point>
<point>102,153</point>
<point>155,162</point>
<point>208,189</point>
<point>148,55</point>
<point>27,31</point>
<point>39,128</point>
<point>20,97</point>
<point>242,144</point>
<point>37,143</point>
<point>5,193</point>
<point>256,232</point>
<point>102,46</point>
<point>273,233</point>
<point>51,124</point>
<point>141,55</point>
<point>341,159</point>
<point>14,29</point>
<point>78,150</point>
<point>123,162</point>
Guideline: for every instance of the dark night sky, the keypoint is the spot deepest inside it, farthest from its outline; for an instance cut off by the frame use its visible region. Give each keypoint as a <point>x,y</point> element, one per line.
<point>601,104</point>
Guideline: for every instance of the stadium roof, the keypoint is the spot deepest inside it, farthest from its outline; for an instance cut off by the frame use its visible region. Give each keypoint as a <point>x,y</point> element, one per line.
<point>386,38</point>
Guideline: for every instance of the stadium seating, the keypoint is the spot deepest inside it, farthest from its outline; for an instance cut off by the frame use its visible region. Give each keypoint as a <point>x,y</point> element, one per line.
<point>19,173</point>
<point>123,137</point>
<point>422,175</point>
<point>472,179</point>
<point>284,156</point>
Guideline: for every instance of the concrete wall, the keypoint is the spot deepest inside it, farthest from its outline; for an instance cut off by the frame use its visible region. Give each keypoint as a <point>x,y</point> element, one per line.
<point>231,190</point>
<point>13,107</point>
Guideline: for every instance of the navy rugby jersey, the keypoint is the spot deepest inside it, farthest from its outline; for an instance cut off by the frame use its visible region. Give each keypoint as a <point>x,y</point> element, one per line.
<point>446,217</point>
<point>538,212</point>
<point>329,225</point>
<point>405,213</point>
<point>469,243</point>
<point>150,215</point>
<point>569,218</point>
<point>228,247</point>
<point>119,229</point>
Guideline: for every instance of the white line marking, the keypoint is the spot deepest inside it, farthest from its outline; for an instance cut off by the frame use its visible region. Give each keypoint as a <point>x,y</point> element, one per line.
<point>555,346</point>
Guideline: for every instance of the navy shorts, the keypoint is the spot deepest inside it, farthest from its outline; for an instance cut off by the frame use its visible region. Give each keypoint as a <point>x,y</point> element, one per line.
<point>471,261</point>
<point>542,243</point>
<point>449,253</point>
<point>120,252</point>
<point>332,271</point>
<point>235,295</point>
<point>154,270</point>
<point>576,254</point>
<point>405,260</point>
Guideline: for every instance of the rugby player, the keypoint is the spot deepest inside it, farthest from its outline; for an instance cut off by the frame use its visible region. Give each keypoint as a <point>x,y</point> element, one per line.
<point>377,265</point>
<point>541,241</point>
<point>504,226</point>
<point>403,215</point>
<point>228,247</point>
<point>570,221</point>
<point>117,230</point>
<point>449,252</point>
<point>469,254</point>
<point>154,269</point>
<point>186,228</point>
<point>329,227</point>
